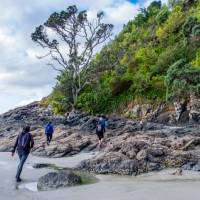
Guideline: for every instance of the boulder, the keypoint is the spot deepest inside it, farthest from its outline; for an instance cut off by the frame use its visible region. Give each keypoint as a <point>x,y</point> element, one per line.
<point>54,180</point>
<point>192,165</point>
<point>42,165</point>
<point>192,144</point>
<point>142,155</point>
<point>178,172</point>
<point>189,165</point>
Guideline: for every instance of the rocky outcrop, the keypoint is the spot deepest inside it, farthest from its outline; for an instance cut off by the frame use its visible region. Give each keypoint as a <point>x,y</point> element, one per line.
<point>33,114</point>
<point>193,165</point>
<point>54,180</point>
<point>180,107</point>
<point>194,109</point>
<point>184,111</point>
<point>132,154</point>
<point>188,111</point>
<point>43,165</point>
<point>66,142</point>
<point>148,111</point>
<point>129,146</point>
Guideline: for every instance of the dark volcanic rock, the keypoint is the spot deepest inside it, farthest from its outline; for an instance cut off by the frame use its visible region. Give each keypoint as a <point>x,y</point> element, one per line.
<point>33,114</point>
<point>140,153</point>
<point>129,147</point>
<point>42,165</point>
<point>54,180</point>
<point>192,165</point>
<point>189,165</point>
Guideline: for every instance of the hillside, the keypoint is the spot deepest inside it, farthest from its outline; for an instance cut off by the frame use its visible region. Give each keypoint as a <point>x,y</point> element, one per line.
<point>155,60</point>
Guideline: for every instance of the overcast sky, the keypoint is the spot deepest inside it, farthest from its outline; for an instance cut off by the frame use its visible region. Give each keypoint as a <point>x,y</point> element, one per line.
<point>24,78</point>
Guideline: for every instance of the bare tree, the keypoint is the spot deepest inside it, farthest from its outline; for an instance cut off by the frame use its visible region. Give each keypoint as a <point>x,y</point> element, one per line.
<point>70,39</point>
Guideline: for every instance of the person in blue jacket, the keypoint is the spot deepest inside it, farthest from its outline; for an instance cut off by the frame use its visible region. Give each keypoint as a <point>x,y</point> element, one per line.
<point>49,130</point>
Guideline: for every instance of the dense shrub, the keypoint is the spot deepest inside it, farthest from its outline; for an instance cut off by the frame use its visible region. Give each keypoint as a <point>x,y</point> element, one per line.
<point>182,79</point>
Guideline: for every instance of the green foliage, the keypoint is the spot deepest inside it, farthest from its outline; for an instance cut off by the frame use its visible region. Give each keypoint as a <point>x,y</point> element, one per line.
<point>44,102</point>
<point>61,96</point>
<point>182,79</point>
<point>152,58</point>
<point>173,3</point>
<point>170,55</point>
<point>119,86</point>
<point>57,101</point>
<point>188,26</point>
<point>154,8</point>
<point>196,30</point>
<point>197,11</point>
<point>162,15</point>
<point>172,25</point>
<point>99,98</point>
<point>196,62</point>
<point>145,57</point>
<point>96,97</point>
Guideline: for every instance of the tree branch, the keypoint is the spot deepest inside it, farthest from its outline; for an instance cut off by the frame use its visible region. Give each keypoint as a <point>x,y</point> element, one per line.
<point>53,66</point>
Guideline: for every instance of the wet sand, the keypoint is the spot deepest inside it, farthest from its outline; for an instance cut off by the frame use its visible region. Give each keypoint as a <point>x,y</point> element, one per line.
<point>152,186</point>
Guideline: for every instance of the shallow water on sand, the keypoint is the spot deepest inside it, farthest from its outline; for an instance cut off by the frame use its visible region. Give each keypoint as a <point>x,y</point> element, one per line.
<point>152,186</point>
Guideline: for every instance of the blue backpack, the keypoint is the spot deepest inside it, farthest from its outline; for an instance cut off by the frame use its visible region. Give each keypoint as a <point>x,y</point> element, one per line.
<point>49,129</point>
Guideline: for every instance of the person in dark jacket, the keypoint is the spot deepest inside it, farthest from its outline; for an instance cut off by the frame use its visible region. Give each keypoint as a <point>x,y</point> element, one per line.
<point>49,130</point>
<point>23,144</point>
<point>100,129</point>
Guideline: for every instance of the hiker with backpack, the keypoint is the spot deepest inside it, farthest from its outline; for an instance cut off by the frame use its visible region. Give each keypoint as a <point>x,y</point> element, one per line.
<point>49,130</point>
<point>23,144</point>
<point>100,129</point>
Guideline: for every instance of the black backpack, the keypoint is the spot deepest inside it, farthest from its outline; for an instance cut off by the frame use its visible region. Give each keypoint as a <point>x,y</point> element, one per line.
<point>23,140</point>
<point>98,128</point>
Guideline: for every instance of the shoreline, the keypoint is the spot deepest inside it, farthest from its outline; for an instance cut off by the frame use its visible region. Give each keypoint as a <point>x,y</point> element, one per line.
<point>152,186</point>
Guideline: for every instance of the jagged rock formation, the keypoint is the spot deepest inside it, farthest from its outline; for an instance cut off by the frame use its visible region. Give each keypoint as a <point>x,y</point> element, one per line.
<point>185,111</point>
<point>139,152</point>
<point>129,147</point>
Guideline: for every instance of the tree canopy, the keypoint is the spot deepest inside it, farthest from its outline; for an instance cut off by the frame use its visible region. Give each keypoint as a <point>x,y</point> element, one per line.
<point>70,40</point>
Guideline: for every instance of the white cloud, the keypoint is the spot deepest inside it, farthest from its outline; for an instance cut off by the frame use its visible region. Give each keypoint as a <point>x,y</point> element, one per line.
<point>121,12</point>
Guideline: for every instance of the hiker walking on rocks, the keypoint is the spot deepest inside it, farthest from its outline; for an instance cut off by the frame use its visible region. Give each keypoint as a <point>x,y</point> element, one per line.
<point>100,129</point>
<point>23,144</point>
<point>49,130</point>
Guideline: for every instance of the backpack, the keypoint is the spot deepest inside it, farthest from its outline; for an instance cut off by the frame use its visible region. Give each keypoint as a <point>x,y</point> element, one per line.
<point>23,140</point>
<point>99,128</point>
<point>49,129</point>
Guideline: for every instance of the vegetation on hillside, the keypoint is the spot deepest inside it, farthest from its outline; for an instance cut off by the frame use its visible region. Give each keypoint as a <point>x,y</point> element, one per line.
<point>70,39</point>
<point>155,57</point>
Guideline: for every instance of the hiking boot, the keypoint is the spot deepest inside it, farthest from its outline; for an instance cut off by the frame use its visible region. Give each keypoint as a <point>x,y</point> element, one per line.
<point>18,180</point>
